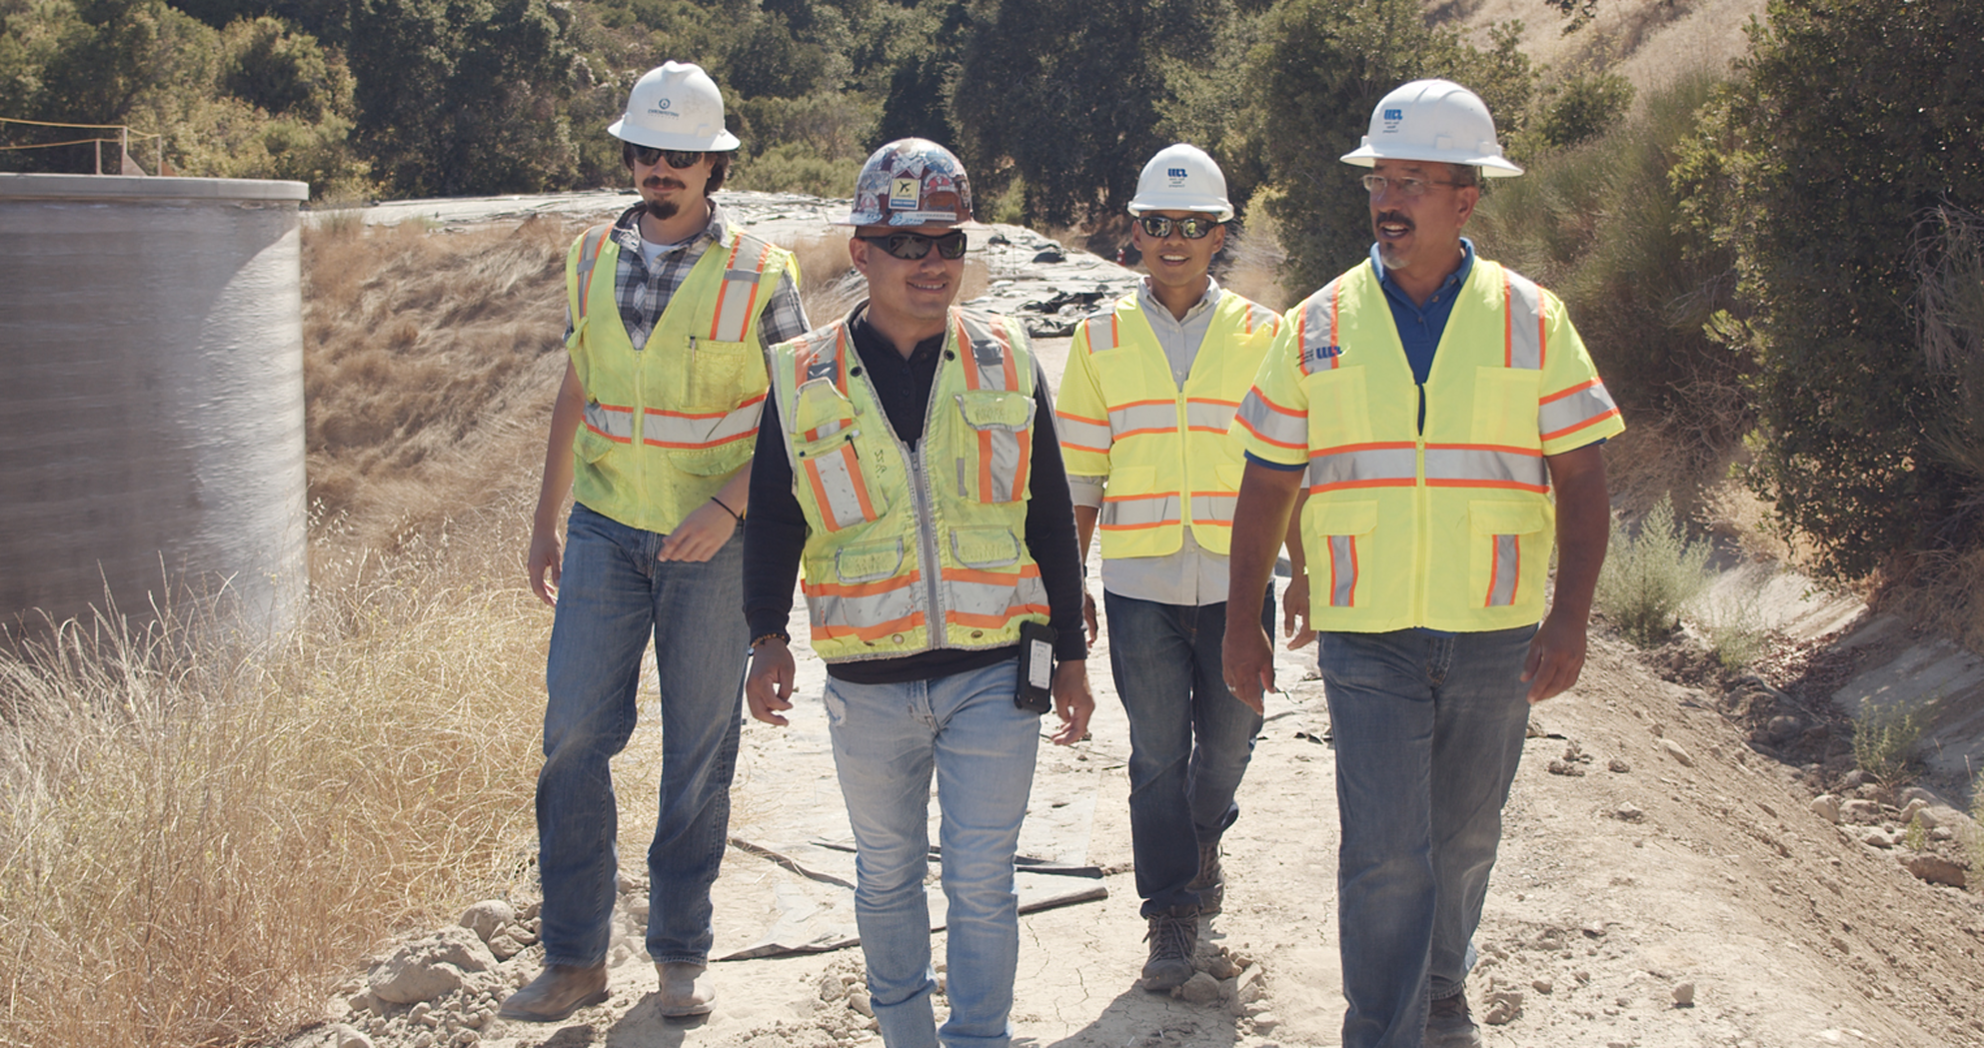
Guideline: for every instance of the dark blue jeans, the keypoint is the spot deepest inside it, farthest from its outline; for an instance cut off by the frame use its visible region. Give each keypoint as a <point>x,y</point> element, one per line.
<point>1429,729</point>
<point>613,595</point>
<point>1190,739</point>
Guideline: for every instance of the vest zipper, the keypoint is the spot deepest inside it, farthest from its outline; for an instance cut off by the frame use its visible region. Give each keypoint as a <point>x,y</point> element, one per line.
<point>926,537</point>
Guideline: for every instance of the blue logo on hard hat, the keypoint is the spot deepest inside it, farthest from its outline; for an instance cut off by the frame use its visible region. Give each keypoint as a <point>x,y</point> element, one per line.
<point>1175,172</point>
<point>1394,114</point>
<point>665,103</point>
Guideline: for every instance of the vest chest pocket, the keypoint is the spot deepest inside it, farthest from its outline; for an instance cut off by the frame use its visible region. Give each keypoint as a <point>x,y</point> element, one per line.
<point>1505,406</point>
<point>719,377</point>
<point>999,439</point>
<point>831,469</point>
<point>1339,410</point>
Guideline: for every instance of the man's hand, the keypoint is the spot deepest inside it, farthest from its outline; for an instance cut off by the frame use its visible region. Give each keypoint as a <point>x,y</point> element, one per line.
<point>1295,612</point>
<point>1556,657</point>
<point>1072,701</point>
<point>1088,615</point>
<point>543,563</point>
<point>700,535</point>
<point>769,687</point>
<point>1248,661</point>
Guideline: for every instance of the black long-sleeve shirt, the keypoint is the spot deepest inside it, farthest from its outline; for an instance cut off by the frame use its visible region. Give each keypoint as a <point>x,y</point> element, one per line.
<point>775,527</point>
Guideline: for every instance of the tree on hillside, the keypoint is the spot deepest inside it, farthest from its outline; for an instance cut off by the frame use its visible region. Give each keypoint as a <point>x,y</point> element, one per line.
<point>1322,66</point>
<point>1851,122</point>
<point>1071,93</point>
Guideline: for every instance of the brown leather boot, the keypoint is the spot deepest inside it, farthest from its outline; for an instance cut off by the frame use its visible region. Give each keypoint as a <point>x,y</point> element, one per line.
<point>558,991</point>
<point>682,991</point>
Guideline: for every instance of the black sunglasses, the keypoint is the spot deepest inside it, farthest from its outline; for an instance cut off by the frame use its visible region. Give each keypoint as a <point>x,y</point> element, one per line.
<point>1195,227</point>
<point>678,159</point>
<point>913,246</point>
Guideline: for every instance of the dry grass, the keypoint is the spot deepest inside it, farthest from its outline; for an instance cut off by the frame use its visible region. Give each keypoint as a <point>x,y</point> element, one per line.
<point>201,834</point>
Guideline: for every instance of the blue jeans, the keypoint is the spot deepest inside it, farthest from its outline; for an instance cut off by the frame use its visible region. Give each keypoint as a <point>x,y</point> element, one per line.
<point>1190,739</point>
<point>1429,728</point>
<point>613,594</point>
<point>887,739</point>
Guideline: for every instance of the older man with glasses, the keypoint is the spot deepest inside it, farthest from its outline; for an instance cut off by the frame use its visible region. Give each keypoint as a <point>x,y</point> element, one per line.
<point>652,435</point>
<point>1430,402</point>
<point>909,463</point>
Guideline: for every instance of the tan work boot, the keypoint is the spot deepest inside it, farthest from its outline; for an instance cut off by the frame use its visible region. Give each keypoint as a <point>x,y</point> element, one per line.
<point>1211,881</point>
<point>682,991</point>
<point>1173,938</point>
<point>558,991</point>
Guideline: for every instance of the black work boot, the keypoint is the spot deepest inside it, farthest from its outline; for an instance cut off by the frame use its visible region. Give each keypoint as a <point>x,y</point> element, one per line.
<point>1173,936</point>
<point>1448,1024</point>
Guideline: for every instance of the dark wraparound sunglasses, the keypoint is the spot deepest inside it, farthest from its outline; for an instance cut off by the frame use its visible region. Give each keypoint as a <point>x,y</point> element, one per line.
<point>1194,227</point>
<point>679,159</point>
<point>912,246</point>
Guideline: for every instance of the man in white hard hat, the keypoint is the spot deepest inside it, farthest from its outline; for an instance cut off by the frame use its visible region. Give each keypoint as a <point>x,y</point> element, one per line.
<point>1429,525</point>
<point>669,310</point>
<point>1150,389</point>
<point>908,462</point>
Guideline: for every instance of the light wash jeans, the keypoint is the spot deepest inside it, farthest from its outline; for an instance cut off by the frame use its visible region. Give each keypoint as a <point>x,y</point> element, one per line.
<point>1190,739</point>
<point>612,596</point>
<point>888,739</point>
<point>1428,731</point>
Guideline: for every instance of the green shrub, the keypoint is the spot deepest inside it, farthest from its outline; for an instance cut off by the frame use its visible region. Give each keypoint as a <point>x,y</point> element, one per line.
<point>1647,579</point>
<point>1734,628</point>
<point>1584,106</point>
<point>1882,737</point>
<point>793,168</point>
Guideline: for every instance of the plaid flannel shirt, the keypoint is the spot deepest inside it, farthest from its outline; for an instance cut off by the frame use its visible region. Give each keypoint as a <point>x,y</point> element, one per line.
<point>643,293</point>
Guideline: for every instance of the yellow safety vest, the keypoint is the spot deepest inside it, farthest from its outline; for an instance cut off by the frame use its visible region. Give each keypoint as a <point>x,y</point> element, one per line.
<point>900,539</point>
<point>1452,528</point>
<point>666,425</point>
<point>1164,449</point>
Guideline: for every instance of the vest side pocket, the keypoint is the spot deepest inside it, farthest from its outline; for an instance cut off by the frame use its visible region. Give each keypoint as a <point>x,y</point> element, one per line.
<point>1510,550</point>
<point>1345,529</point>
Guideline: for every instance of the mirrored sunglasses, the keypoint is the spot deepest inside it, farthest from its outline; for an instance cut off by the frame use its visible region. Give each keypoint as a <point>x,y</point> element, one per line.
<point>1192,227</point>
<point>678,159</point>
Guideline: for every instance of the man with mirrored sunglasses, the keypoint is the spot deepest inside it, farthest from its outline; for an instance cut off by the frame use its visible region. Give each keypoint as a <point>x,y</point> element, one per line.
<point>1150,388</point>
<point>909,464</point>
<point>651,435</point>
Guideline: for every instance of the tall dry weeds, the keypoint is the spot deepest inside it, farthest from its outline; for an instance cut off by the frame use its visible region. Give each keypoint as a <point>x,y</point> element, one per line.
<point>199,833</point>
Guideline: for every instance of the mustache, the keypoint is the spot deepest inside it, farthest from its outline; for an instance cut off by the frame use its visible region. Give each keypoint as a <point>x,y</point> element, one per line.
<point>658,182</point>
<point>1393,218</point>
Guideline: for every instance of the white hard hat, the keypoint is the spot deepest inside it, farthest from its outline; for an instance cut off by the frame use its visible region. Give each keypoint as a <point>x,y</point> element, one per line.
<point>1436,120</point>
<point>911,182</point>
<point>675,106</point>
<point>1182,178</point>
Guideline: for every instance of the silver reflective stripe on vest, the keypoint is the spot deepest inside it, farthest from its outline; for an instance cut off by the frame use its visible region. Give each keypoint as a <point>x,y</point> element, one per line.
<point>670,429</point>
<point>1574,409</point>
<point>1156,416</point>
<point>1343,570</point>
<point>1364,468</point>
<point>1003,449</point>
<point>1211,416</point>
<point>589,249</point>
<point>1081,434</point>
<point>1101,330</point>
<point>1320,348</point>
<point>611,423</point>
<point>738,295</point>
<point>1140,511</point>
<point>1213,508</point>
<point>1487,467</point>
<point>1279,428</point>
<point>863,607</point>
<point>980,597</point>
<point>1525,320</point>
<point>1508,566</point>
<point>838,487</point>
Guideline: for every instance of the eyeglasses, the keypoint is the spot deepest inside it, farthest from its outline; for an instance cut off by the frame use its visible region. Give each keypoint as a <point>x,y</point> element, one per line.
<point>912,246</point>
<point>1409,187</point>
<point>678,159</point>
<point>1192,227</point>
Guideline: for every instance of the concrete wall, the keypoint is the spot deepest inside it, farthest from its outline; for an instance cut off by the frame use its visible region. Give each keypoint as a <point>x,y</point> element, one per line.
<point>151,395</point>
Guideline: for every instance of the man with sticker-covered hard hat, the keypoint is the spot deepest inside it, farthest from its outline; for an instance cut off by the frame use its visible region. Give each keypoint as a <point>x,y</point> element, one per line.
<point>1150,389</point>
<point>669,308</point>
<point>1445,420</point>
<point>907,464</point>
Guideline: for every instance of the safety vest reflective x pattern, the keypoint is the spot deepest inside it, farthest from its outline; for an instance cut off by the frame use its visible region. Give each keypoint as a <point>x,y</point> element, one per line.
<point>1450,528</point>
<point>907,550</point>
<point>1164,449</point>
<point>667,424</point>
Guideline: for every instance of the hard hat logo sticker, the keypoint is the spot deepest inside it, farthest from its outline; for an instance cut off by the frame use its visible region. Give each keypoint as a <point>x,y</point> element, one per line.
<point>1393,118</point>
<point>665,103</point>
<point>905,193</point>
